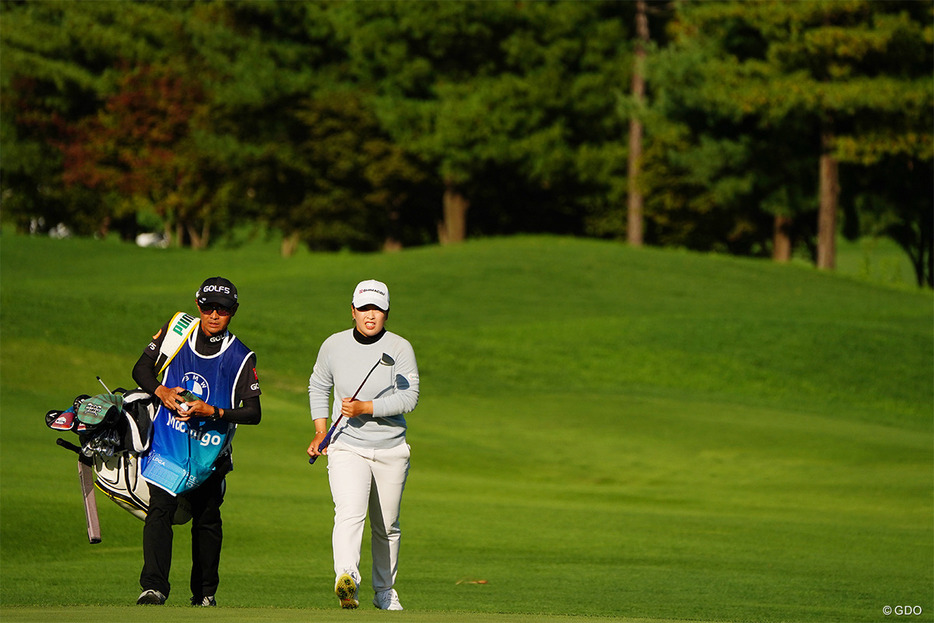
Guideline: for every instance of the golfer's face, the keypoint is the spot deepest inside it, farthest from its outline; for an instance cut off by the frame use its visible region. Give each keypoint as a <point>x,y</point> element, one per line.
<point>369,319</point>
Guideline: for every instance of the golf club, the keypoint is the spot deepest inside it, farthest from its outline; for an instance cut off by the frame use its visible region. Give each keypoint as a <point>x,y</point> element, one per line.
<point>86,480</point>
<point>385,360</point>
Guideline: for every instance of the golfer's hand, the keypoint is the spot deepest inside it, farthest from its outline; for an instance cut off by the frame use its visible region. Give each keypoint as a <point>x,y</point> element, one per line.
<point>353,408</point>
<point>313,448</point>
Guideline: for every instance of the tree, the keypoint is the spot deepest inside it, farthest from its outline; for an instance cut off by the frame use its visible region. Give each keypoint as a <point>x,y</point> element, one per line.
<point>497,91</point>
<point>82,57</point>
<point>853,76</point>
<point>135,146</point>
<point>46,84</point>
<point>635,225</point>
<point>351,181</point>
<point>418,57</point>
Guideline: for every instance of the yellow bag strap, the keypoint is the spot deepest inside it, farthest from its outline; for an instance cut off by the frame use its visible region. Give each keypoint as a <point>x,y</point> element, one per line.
<point>180,327</point>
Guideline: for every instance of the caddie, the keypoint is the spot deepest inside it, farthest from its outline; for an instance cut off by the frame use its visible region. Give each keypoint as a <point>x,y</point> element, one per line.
<point>209,386</point>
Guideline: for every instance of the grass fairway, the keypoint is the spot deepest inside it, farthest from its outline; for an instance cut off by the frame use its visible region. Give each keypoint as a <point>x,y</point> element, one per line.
<point>603,432</point>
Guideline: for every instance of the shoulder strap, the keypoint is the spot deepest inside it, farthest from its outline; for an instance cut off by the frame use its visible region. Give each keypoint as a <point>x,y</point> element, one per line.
<point>180,327</point>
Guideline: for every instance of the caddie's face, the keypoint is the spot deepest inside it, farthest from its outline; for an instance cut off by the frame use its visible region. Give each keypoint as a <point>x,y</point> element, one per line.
<point>214,321</point>
<point>369,319</point>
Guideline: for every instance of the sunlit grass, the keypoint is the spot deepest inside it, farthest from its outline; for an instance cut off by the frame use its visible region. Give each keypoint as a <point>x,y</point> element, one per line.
<point>607,432</point>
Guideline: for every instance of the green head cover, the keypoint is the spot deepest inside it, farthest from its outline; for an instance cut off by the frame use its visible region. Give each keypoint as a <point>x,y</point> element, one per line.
<point>98,408</point>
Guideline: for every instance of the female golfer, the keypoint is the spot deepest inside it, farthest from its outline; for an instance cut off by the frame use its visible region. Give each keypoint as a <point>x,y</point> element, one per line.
<point>368,457</point>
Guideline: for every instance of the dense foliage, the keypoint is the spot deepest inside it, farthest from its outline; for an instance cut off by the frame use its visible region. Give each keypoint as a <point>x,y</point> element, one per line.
<point>377,125</point>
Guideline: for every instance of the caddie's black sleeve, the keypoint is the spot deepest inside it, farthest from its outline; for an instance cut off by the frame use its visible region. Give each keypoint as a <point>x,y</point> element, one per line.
<point>144,373</point>
<point>249,413</point>
<point>247,394</point>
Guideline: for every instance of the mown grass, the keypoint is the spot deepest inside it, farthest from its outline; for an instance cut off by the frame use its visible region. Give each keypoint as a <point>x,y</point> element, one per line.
<point>603,432</point>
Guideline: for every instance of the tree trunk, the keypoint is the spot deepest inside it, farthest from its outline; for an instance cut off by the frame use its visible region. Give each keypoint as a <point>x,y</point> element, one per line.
<point>194,240</point>
<point>827,211</point>
<point>781,239</point>
<point>392,244</point>
<point>167,232</point>
<point>634,212</point>
<point>927,250</point>
<point>199,240</point>
<point>453,228</point>
<point>289,244</point>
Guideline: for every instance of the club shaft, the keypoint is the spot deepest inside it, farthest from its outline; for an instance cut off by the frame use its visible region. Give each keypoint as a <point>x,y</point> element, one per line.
<point>327,438</point>
<point>354,397</point>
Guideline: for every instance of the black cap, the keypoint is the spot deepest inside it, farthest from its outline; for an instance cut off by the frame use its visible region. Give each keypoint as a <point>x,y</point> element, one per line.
<point>217,290</point>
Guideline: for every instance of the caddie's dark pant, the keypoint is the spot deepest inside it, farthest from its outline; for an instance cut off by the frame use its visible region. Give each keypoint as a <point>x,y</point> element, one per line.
<point>206,538</point>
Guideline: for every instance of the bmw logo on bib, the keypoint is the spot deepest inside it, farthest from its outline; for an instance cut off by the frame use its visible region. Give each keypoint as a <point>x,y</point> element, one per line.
<point>197,385</point>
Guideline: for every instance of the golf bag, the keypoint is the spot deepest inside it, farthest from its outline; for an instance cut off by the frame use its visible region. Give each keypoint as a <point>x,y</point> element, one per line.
<point>113,431</point>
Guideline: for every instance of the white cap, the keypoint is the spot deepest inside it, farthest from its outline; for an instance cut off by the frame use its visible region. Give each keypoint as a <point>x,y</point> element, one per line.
<point>371,292</point>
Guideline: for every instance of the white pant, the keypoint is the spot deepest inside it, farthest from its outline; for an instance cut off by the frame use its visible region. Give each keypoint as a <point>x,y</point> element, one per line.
<point>362,478</point>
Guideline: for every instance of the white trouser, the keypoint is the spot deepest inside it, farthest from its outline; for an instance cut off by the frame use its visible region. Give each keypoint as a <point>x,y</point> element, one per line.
<point>362,478</point>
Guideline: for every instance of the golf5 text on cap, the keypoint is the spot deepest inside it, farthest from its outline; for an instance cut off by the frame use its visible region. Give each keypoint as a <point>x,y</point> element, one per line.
<point>217,290</point>
<point>371,292</point>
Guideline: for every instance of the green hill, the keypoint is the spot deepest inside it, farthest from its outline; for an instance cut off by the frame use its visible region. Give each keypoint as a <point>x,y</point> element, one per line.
<point>634,434</point>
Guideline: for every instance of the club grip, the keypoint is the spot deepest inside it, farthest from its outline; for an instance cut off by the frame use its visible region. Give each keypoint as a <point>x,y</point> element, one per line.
<point>68,445</point>
<point>321,446</point>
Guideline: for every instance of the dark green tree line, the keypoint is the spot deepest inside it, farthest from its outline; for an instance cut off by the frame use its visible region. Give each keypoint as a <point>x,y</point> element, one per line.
<point>768,126</point>
<point>788,107</point>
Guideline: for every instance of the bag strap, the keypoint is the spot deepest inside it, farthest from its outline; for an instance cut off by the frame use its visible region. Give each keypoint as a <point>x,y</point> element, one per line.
<point>180,327</point>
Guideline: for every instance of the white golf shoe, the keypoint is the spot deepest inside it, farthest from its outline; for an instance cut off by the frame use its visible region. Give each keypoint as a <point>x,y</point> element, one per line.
<point>387,600</point>
<point>346,591</point>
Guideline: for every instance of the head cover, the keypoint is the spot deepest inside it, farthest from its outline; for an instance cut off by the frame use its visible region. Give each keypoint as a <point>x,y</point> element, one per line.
<point>371,292</point>
<point>218,290</point>
<point>98,409</point>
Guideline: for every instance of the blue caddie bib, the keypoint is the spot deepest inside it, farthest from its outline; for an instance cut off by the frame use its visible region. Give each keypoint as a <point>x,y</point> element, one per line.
<point>183,454</point>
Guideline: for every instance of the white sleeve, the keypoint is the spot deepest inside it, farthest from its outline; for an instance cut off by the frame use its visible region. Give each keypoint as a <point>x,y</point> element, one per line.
<point>404,397</point>
<point>320,383</point>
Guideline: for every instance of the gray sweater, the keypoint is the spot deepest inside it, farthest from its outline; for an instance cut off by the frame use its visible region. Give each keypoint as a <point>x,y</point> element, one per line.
<point>342,364</point>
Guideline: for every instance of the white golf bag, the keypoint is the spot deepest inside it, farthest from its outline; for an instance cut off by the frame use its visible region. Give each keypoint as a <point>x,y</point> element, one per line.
<point>114,431</point>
